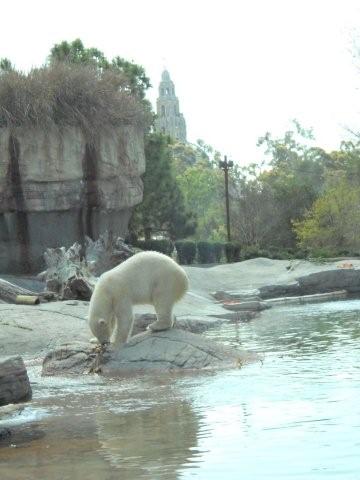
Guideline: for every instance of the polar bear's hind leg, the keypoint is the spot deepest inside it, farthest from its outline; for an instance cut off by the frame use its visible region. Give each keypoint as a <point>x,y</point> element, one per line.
<point>164,313</point>
<point>169,290</point>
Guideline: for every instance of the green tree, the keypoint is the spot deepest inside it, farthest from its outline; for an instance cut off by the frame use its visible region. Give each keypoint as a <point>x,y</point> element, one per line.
<point>6,65</point>
<point>202,185</point>
<point>254,215</point>
<point>333,222</point>
<point>163,209</point>
<point>295,176</point>
<point>75,52</point>
<point>344,163</point>
<point>184,156</point>
<point>139,81</point>
<point>203,189</point>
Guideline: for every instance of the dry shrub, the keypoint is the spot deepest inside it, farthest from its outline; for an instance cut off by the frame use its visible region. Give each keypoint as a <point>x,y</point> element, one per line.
<point>70,95</point>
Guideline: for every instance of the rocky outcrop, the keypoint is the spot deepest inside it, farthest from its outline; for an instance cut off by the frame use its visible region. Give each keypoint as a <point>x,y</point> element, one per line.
<point>55,188</point>
<point>172,349</point>
<point>326,281</point>
<point>14,382</point>
<point>318,282</point>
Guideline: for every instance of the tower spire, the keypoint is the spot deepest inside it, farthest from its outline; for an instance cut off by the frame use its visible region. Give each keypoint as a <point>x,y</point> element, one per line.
<point>169,119</point>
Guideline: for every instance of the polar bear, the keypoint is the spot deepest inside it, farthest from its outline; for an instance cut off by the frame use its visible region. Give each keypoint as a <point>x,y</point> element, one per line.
<point>145,278</point>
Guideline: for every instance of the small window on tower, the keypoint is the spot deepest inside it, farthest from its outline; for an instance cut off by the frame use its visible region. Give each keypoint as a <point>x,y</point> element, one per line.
<point>162,110</point>
<point>175,110</point>
<point>167,91</point>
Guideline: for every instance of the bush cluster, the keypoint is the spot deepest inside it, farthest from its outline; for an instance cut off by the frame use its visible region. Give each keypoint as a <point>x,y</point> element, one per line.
<point>66,94</point>
<point>232,252</point>
<point>163,246</point>
<point>186,251</point>
<point>273,253</point>
<point>204,252</point>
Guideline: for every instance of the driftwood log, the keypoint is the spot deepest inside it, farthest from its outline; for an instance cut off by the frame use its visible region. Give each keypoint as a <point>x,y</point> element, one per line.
<point>72,273</point>
<point>68,274</point>
<point>10,293</point>
<point>106,252</point>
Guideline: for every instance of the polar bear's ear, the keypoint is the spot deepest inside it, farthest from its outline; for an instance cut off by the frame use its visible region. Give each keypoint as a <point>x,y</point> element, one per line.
<point>102,322</point>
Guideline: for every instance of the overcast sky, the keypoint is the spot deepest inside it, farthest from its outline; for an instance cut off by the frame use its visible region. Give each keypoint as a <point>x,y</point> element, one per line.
<point>240,68</point>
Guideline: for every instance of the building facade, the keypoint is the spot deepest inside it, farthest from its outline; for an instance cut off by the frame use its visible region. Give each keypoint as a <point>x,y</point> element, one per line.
<point>169,119</point>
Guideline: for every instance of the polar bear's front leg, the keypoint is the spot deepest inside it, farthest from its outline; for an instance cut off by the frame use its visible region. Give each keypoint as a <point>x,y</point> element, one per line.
<point>124,320</point>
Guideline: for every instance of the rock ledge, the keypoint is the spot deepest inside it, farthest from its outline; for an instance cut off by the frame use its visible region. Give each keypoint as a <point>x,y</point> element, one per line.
<point>169,350</point>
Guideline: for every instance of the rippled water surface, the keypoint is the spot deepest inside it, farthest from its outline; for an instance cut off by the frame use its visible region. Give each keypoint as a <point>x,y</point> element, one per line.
<point>295,415</point>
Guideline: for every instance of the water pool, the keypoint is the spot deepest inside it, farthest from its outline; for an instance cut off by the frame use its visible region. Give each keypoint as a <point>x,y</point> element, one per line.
<point>295,415</point>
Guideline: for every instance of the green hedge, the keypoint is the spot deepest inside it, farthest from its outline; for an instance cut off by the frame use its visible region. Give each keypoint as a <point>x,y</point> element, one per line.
<point>206,252</point>
<point>209,252</point>
<point>273,252</point>
<point>232,252</point>
<point>163,246</point>
<point>186,251</point>
<point>218,251</point>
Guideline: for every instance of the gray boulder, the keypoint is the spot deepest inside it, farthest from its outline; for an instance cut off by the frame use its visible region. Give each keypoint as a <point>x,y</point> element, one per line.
<point>169,350</point>
<point>14,382</point>
<point>273,291</point>
<point>330,280</point>
<point>318,282</point>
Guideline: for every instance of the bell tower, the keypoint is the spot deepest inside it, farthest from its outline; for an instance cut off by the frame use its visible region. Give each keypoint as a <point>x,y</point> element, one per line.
<point>169,119</point>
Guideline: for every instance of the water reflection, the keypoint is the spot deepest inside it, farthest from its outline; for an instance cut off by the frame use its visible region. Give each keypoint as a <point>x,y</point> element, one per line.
<point>150,443</point>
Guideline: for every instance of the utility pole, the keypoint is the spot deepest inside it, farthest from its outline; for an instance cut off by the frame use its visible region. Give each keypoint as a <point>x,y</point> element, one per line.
<point>225,165</point>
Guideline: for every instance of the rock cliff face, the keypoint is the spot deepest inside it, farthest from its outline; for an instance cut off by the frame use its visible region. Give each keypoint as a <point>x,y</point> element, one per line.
<point>55,188</point>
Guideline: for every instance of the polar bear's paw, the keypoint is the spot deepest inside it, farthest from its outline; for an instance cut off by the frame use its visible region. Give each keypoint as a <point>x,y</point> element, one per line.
<point>158,326</point>
<point>95,341</point>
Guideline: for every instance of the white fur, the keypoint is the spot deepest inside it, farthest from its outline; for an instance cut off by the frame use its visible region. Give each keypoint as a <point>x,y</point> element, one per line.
<point>145,278</point>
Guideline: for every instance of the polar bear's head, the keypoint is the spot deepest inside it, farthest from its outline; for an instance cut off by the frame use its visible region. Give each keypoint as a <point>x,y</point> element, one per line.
<point>101,329</point>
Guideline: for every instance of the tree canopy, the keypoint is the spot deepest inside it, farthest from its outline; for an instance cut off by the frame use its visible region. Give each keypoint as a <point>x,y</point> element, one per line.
<point>76,53</point>
<point>163,210</point>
